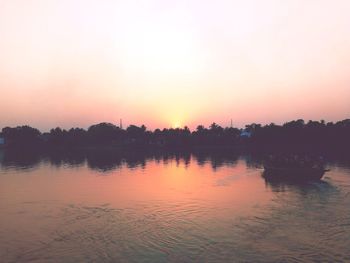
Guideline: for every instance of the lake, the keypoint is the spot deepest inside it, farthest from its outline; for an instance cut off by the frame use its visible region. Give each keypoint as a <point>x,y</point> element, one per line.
<point>168,208</point>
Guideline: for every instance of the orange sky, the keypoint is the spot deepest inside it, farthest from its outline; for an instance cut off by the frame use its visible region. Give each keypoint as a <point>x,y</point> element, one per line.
<point>171,63</point>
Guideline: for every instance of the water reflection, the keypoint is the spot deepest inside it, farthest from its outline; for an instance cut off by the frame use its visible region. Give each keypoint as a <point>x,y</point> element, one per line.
<point>322,189</point>
<point>107,161</point>
<point>167,207</point>
<point>19,160</point>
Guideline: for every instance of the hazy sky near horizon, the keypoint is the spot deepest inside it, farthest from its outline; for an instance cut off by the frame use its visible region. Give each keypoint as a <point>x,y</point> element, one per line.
<point>173,63</point>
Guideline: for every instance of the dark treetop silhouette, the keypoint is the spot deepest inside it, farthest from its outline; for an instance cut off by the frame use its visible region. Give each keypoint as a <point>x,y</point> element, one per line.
<point>293,136</point>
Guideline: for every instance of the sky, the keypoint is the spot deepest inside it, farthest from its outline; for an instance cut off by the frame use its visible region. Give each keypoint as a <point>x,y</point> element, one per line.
<point>73,63</point>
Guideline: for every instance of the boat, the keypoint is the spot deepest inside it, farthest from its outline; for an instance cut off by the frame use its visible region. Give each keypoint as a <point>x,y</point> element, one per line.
<point>295,173</point>
<point>294,167</point>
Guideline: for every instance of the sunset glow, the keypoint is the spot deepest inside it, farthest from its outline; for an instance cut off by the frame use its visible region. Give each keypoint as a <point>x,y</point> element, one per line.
<point>173,63</point>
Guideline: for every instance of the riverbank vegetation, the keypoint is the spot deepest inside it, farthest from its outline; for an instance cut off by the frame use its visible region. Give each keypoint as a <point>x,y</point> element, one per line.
<point>292,136</point>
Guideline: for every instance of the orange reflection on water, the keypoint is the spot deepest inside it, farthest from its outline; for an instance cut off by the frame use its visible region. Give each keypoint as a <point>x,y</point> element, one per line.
<point>171,181</point>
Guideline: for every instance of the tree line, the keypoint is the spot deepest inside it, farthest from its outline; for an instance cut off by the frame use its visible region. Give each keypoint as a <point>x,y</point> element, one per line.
<point>296,135</point>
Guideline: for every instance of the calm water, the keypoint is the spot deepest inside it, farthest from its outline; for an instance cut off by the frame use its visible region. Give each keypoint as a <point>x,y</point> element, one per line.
<point>168,209</point>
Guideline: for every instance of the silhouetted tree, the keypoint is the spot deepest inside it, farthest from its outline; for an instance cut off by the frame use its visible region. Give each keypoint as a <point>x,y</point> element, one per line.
<point>298,135</point>
<point>21,135</point>
<point>104,133</point>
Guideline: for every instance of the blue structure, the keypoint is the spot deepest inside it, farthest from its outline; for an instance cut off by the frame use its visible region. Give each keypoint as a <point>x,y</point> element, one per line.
<point>246,134</point>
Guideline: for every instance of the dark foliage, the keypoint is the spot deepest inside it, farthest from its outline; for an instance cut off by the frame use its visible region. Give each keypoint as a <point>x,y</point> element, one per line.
<point>21,135</point>
<point>296,136</point>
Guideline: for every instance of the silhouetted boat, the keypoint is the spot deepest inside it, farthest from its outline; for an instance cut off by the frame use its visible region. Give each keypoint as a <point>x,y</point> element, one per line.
<point>294,173</point>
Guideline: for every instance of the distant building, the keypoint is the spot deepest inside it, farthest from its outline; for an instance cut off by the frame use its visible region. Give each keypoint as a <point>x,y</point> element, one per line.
<point>246,134</point>
<point>2,141</point>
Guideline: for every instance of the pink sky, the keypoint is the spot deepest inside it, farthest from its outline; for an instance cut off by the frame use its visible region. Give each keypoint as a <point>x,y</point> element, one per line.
<point>173,63</point>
